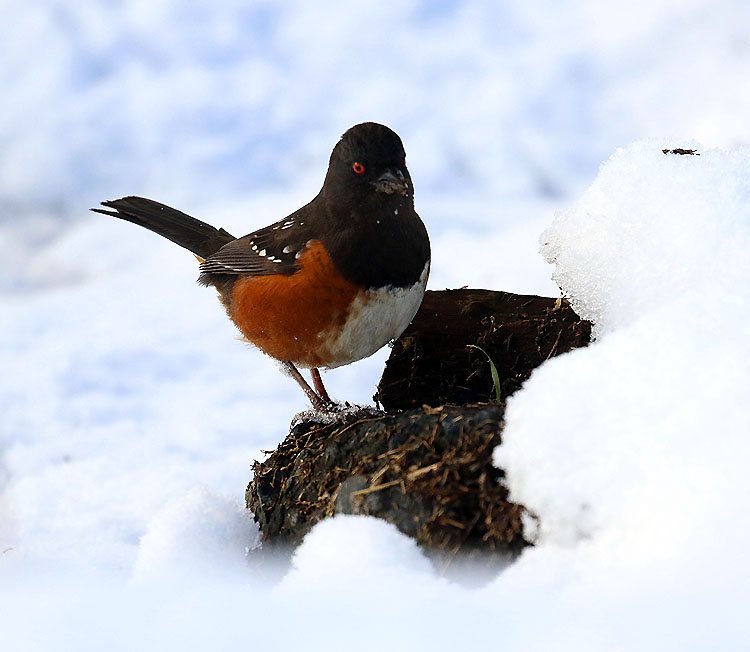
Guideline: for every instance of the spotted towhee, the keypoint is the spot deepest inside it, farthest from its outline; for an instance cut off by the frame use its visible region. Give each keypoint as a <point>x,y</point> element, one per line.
<point>331,283</point>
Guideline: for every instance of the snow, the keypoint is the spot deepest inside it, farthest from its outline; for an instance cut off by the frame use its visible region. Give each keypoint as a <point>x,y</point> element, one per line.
<point>632,453</point>
<point>654,228</point>
<point>219,532</point>
<point>131,413</point>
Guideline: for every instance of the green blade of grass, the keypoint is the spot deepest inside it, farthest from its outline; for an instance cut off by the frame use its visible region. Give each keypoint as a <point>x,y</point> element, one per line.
<point>493,371</point>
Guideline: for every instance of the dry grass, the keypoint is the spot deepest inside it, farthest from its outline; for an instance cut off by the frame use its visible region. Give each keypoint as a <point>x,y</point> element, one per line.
<point>427,471</point>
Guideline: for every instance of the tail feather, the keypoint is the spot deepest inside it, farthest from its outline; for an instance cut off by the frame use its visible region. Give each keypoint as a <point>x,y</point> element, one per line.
<point>196,236</point>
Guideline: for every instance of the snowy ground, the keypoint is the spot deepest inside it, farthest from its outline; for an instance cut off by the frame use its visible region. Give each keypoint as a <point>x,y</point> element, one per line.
<point>130,414</point>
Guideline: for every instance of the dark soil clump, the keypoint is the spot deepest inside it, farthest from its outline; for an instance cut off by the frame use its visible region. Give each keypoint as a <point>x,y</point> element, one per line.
<point>427,471</point>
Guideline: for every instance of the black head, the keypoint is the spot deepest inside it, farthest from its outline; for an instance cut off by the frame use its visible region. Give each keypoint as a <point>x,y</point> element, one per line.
<point>370,228</point>
<point>368,163</point>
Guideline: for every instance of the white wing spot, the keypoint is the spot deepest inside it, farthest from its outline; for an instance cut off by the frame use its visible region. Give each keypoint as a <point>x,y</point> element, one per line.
<point>262,252</point>
<point>287,249</point>
<point>255,247</point>
<point>298,255</point>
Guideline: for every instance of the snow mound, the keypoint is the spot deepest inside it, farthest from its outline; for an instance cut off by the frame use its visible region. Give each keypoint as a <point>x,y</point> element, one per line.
<point>194,535</point>
<point>351,551</point>
<point>633,452</point>
<point>653,227</point>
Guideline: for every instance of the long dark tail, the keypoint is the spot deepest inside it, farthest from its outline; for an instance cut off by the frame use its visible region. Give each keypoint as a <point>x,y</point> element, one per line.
<point>196,236</point>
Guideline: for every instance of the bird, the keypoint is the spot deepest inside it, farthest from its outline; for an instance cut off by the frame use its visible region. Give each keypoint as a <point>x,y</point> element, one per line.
<point>331,283</point>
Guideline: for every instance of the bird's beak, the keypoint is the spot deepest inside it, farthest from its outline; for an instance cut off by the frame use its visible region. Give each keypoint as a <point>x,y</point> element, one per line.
<point>392,182</point>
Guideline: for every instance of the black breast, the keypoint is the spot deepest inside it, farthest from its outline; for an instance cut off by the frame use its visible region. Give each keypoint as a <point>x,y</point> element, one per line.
<point>383,248</point>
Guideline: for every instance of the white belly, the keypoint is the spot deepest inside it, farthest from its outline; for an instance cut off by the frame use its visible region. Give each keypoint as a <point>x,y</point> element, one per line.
<point>378,318</point>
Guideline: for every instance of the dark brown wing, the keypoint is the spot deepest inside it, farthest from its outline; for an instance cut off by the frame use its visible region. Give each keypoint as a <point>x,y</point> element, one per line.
<point>271,250</point>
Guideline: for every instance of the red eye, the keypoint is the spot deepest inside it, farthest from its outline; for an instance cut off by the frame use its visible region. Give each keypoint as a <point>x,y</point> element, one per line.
<point>358,168</point>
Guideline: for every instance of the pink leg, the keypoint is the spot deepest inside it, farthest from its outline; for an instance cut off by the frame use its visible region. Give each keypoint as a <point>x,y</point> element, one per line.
<point>319,387</point>
<point>318,402</point>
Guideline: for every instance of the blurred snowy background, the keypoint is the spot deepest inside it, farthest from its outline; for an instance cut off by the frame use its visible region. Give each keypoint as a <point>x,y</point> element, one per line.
<point>200,104</point>
<point>129,414</point>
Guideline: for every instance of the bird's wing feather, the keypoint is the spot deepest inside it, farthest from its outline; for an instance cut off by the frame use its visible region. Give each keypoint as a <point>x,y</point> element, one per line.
<point>271,250</point>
